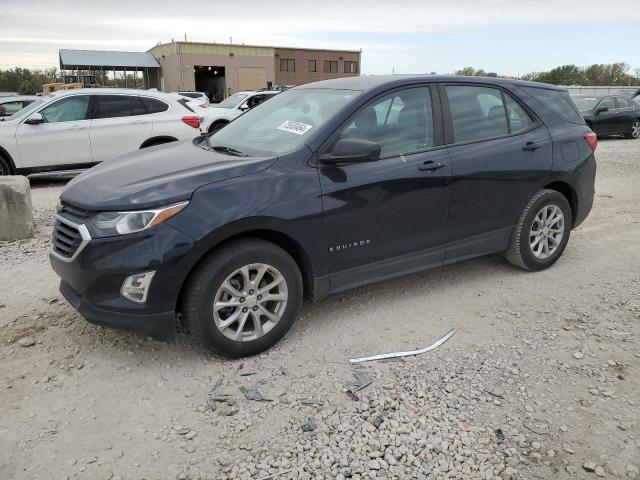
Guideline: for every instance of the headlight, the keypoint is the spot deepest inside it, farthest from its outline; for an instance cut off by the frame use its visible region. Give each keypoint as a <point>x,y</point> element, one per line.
<point>110,224</point>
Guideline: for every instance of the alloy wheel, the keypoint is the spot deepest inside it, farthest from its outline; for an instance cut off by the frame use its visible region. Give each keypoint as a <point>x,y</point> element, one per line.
<point>546,232</point>
<point>635,129</point>
<point>250,302</point>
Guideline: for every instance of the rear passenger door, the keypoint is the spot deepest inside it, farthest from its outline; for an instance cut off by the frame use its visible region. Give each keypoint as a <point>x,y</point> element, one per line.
<point>499,154</point>
<point>606,122</point>
<point>120,124</point>
<point>625,114</point>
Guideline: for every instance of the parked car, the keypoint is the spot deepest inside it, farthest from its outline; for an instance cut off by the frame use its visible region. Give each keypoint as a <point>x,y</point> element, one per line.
<point>326,187</point>
<point>198,96</point>
<point>75,129</point>
<point>218,115</point>
<point>610,115</point>
<point>12,105</point>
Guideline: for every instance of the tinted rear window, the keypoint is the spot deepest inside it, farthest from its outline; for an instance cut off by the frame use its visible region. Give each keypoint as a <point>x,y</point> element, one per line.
<point>558,101</point>
<point>153,105</point>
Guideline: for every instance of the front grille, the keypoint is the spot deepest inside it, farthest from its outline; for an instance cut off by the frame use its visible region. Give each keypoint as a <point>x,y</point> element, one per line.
<point>66,239</point>
<point>75,214</point>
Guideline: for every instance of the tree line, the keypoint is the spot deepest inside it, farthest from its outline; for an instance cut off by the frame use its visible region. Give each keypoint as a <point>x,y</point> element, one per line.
<point>613,74</point>
<point>30,81</point>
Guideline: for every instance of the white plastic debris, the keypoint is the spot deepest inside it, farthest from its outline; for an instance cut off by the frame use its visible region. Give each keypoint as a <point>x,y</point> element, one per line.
<point>404,354</point>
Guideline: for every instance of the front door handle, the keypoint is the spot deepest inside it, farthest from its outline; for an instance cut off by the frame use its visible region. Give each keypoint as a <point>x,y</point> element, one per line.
<point>430,166</point>
<point>77,127</point>
<point>531,146</point>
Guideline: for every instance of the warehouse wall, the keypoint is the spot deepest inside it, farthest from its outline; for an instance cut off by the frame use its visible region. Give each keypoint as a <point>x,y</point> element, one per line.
<point>302,56</point>
<point>179,57</point>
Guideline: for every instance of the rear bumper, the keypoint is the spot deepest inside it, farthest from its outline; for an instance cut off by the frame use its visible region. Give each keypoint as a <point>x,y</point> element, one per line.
<point>160,326</point>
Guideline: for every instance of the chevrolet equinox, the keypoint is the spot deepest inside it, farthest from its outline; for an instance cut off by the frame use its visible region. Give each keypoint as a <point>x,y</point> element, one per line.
<point>327,186</point>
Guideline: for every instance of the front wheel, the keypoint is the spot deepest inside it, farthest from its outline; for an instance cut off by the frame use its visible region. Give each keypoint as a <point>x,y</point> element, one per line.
<point>4,167</point>
<point>243,298</point>
<point>542,232</point>
<point>634,130</point>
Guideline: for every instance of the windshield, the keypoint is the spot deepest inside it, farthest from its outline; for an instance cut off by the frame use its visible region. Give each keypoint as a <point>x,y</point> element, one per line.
<point>585,103</point>
<point>283,123</point>
<point>232,101</point>
<point>29,108</point>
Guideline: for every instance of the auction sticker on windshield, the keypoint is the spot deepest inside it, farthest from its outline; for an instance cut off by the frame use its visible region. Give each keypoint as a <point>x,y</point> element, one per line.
<point>298,128</point>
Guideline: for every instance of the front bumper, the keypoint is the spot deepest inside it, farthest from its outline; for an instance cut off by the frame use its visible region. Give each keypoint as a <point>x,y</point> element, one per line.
<point>91,282</point>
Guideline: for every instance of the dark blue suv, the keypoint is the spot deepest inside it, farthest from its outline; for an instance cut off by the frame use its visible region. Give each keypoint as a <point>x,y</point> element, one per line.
<point>326,187</point>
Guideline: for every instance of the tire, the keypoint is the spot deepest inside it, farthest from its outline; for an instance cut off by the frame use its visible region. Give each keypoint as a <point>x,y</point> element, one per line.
<point>205,288</point>
<point>5,168</point>
<point>634,130</point>
<point>215,126</point>
<point>521,253</point>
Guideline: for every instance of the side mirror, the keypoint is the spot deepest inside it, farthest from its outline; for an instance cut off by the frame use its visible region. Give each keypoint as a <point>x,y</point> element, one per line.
<point>352,150</point>
<point>35,119</point>
<point>244,107</point>
<point>602,110</point>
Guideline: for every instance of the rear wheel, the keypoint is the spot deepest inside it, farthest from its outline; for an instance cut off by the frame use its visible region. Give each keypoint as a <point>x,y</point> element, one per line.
<point>634,130</point>
<point>243,298</point>
<point>542,232</point>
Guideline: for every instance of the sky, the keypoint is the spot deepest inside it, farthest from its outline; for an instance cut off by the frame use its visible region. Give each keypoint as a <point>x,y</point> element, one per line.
<point>510,37</point>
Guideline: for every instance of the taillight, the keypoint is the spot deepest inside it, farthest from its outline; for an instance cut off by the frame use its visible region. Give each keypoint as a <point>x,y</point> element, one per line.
<point>203,105</point>
<point>191,121</point>
<point>592,140</point>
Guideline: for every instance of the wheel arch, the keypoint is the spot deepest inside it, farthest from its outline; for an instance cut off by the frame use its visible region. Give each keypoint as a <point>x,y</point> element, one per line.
<point>158,140</point>
<point>569,193</point>
<point>220,121</point>
<point>5,156</point>
<point>277,237</point>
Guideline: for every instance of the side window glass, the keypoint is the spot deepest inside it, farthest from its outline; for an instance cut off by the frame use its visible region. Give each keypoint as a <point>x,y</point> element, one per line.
<point>607,103</point>
<point>69,109</point>
<point>153,105</point>
<point>136,106</point>
<point>622,102</point>
<point>112,106</point>
<point>476,112</point>
<point>401,122</point>
<point>10,108</point>
<point>519,120</point>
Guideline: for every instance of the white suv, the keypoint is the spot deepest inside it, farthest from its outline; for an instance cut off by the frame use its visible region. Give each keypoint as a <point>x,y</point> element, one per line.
<point>217,115</point>
<point>75,129</point>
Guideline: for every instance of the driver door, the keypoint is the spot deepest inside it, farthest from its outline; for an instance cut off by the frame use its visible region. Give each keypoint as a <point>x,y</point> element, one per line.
<point>389,216</point>
<point>62,140</point>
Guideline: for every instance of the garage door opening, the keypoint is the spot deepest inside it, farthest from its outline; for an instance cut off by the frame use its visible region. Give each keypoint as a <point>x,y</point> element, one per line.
<point>210,80</point>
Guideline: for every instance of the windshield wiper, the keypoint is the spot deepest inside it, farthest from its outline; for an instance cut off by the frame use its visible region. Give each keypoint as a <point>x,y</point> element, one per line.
<point>228,150</point>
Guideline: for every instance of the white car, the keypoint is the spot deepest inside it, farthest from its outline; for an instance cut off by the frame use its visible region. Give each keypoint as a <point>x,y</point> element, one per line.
<point>12,105</point>
<point>75,129</point>
<point>217,115</point>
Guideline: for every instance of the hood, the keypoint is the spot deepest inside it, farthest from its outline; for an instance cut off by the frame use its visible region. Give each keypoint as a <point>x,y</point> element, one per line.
<point>156,176</point>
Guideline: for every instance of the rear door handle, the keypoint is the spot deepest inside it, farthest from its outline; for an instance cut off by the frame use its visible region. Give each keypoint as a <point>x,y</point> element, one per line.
<point>430,166</point>
<point>531,146</point>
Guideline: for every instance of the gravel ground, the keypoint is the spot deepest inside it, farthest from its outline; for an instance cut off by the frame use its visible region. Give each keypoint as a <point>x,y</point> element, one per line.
<point>540,381</point>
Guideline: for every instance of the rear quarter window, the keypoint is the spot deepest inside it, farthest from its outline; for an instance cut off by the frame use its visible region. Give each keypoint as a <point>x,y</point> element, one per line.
<point>558,101</point>
<point>153,105</point>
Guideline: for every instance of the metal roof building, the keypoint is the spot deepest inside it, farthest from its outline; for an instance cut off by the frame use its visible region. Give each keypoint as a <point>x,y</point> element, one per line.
<point>107,60</point>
